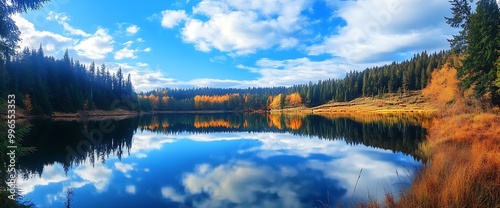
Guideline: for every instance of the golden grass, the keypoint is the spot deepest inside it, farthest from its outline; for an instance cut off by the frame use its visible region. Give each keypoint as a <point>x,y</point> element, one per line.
<point>411,102</point>
<point>465,164</point>
<point>463,146</point>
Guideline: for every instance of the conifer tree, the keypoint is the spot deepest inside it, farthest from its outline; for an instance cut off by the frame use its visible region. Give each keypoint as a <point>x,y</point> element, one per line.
<point>478,67</point>
<point>461,11</point>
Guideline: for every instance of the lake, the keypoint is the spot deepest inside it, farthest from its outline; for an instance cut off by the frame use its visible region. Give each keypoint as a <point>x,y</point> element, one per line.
<point>220,160</point>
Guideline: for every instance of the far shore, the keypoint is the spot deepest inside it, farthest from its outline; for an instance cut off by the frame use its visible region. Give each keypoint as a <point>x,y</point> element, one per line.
<point>410,103</point>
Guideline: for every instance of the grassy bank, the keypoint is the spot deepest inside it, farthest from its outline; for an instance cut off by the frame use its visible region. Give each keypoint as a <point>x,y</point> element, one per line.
<point>409,102</point>
<point>464,150</point>
<point>463,147</point>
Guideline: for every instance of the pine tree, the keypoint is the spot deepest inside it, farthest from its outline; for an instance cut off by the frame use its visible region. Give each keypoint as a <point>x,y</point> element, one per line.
<point>497,81</point>
<point>119,81</point>
<point>461,11</point>
<point>478,67</point>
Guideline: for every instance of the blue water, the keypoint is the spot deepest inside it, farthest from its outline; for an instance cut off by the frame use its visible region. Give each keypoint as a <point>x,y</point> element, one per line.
<point>225,169</point>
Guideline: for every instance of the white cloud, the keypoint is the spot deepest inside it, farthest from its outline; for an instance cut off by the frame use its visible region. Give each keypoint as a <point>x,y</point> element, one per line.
<point>240,27</point>
<point>141,64</point>
<point>53,44</point>
<point>271,73</point>
<point>128,43</point>
<point>98,174</point>
<point>63,20</point>
<point>170,193</point>
<point>172,18</point>
<point>140,40</point>
<point>130,189</point>
<point>288,43</point>
<point>88,47</point>
<point>143,78</point>
<point>97,46</point>
<point>218,59</point>
<point>387,30</point>
<point>126,52</point>
<point>284,73</point>
<point>53,173</point>
<point>245,184</point>
<point>124,168</point>
<point>133,29</point>
<point>239,181</point>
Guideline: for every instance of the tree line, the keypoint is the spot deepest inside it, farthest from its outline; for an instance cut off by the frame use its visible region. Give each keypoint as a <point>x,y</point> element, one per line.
<point>412,74</point>
<point>43,84</point>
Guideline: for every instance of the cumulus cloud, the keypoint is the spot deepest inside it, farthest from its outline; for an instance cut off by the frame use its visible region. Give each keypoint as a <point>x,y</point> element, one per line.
<point>124,168</point>
<point>53,173</point>
<point>127,52</point>
<point>97,46</point>
<point>132,29</point>
<point>130,189</point>
<point>170,193</point>
<point>98,175</point>
<point>375,33</point>
<point>239,27</point>
<point>141,64</point>
<point>143,78</point>
<point>284,73</point>
<point>63,20</point>
<point>88,47</point>
<point>245,184</point>
<point>54,44</point>
<point>386,30</point>
<point>172,18</point>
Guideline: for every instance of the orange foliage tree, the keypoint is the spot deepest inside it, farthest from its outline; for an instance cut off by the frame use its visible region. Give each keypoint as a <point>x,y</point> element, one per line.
<point>293,99</point>
<point>201,100</point>
<point>155,101</point>
<point>443,87</point>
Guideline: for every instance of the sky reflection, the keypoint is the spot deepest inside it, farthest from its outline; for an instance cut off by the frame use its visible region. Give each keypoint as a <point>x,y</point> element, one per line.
<point>225,170</point>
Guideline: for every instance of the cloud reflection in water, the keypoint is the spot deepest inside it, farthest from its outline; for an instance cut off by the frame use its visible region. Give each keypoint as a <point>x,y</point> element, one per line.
<point>264,170</point>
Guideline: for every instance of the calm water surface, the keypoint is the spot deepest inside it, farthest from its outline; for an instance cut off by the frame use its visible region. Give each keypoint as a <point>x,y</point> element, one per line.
<point>219,160</point>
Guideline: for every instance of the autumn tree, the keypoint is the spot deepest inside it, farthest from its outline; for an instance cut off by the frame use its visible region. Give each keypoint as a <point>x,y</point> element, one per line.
<point>293,99</point>
<point>276,102</point>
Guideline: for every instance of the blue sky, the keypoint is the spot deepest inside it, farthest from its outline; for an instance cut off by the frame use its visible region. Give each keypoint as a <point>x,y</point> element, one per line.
<point>235,43</point>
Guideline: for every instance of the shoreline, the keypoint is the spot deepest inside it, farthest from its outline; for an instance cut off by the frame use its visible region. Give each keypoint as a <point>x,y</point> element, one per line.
<point>391,103</point>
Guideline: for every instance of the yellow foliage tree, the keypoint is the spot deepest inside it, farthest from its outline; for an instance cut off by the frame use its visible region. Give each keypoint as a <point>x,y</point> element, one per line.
<point>164,100</point>
<point>200,100</point>
<point>276,102</point>
<point>155,101</point>
<point>443,89</point>
<point>293,99</point>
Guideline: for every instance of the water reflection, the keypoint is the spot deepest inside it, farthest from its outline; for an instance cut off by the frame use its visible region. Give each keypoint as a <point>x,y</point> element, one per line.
<point>222,160</point>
